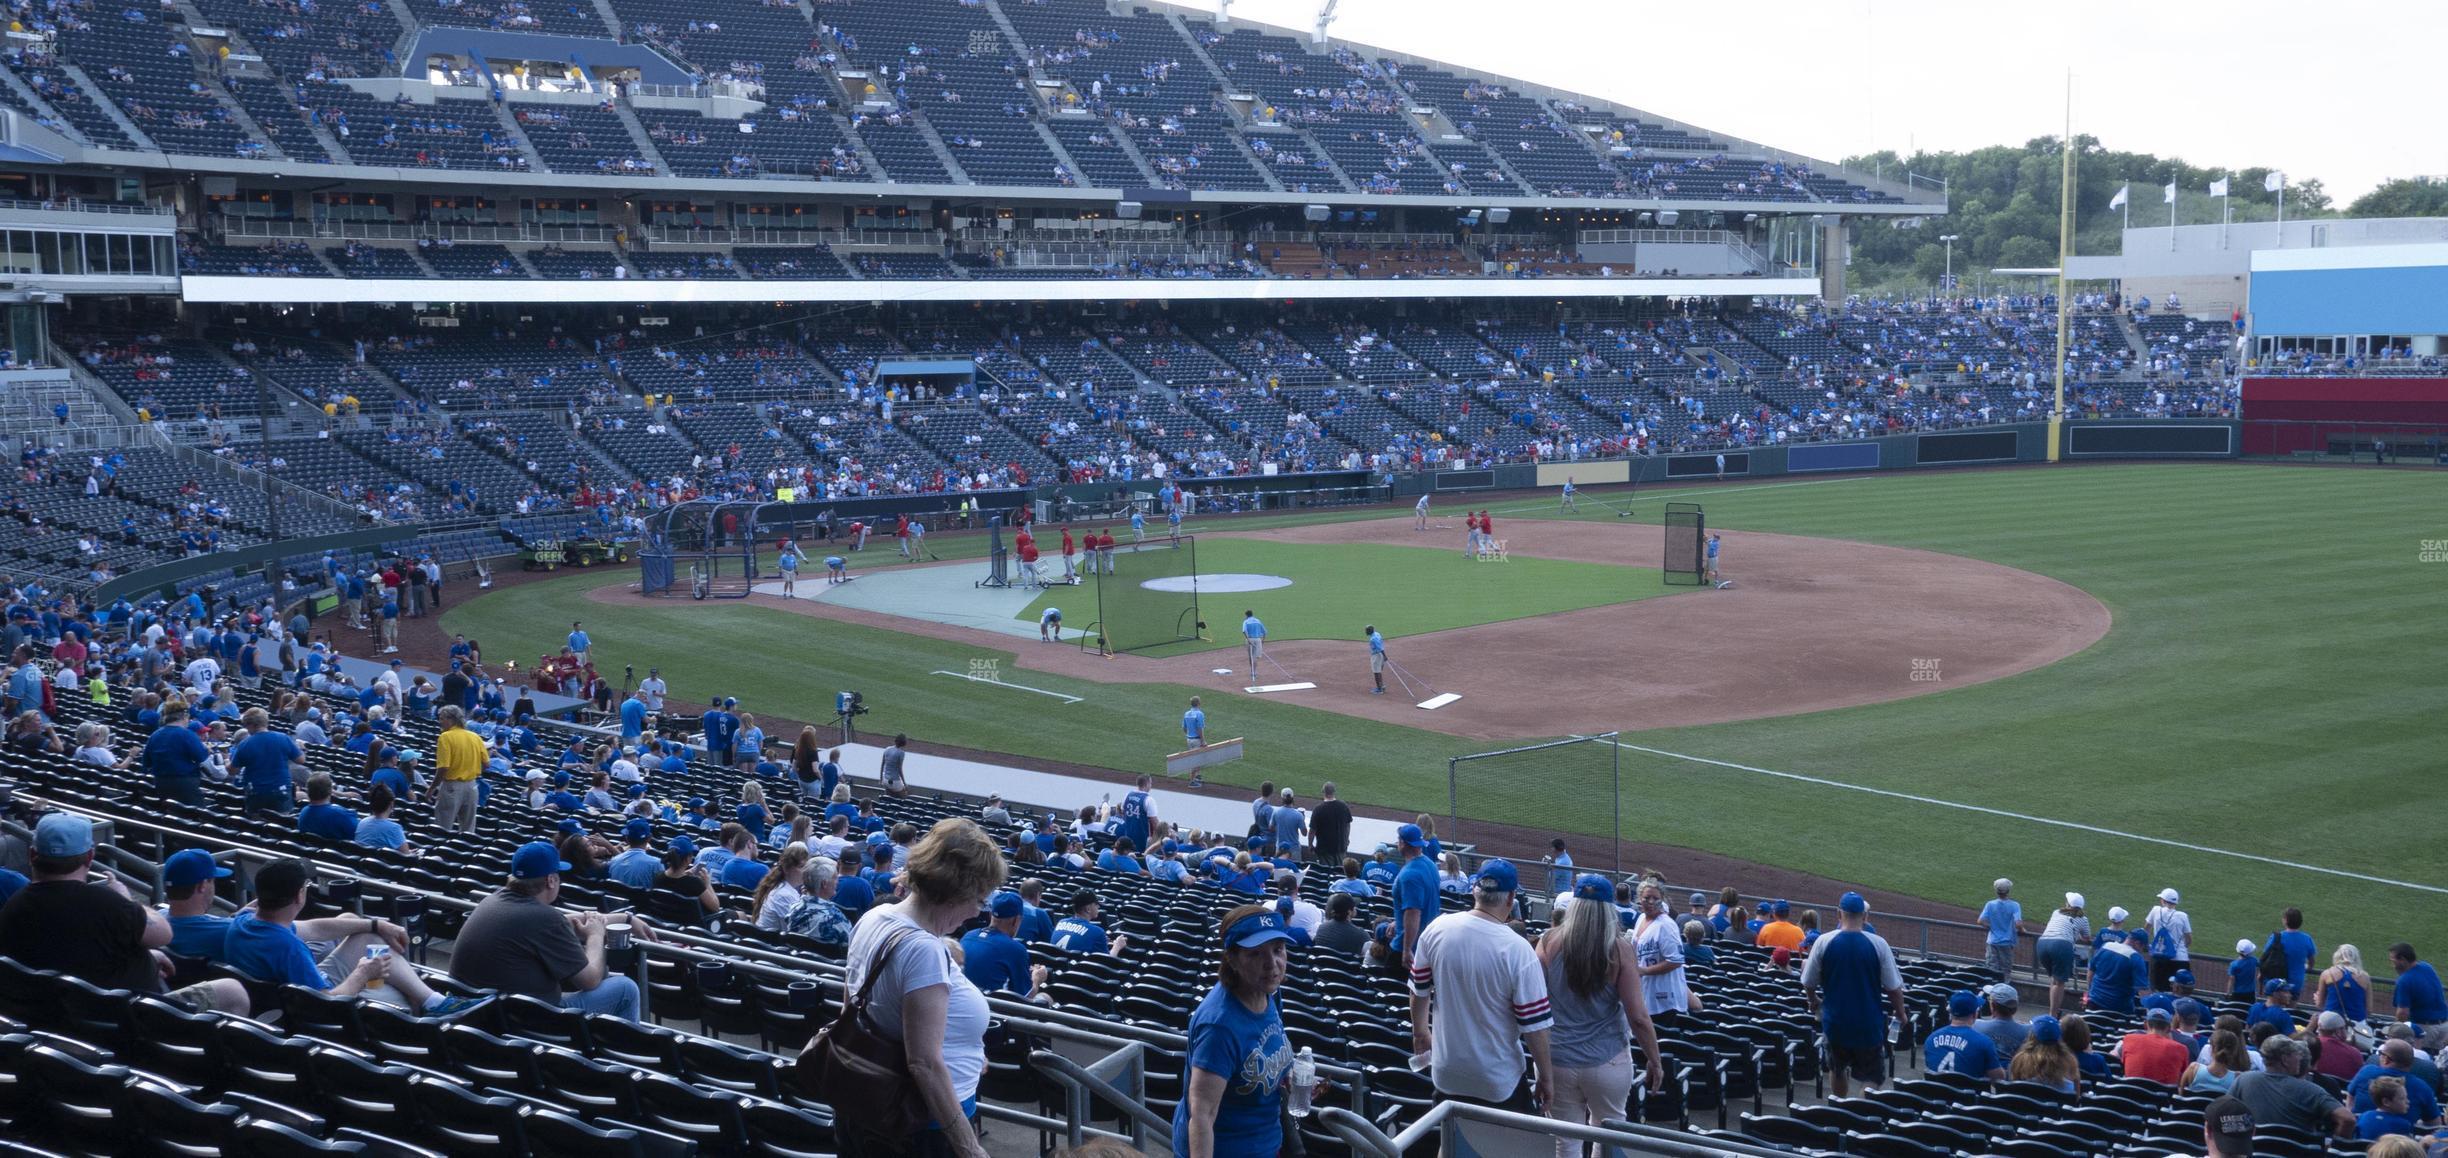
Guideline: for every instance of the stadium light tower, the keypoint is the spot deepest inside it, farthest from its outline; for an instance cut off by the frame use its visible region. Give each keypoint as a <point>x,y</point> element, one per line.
<point>1325,16</point>
<point>1224,13</point>
<point>1948,282</point>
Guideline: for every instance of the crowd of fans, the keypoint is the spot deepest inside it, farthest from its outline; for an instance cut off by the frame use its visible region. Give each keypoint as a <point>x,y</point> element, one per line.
<point>247,711</point>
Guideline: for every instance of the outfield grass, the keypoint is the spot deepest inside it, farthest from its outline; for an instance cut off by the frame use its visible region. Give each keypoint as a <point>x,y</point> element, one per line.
<point>2271,686</point>
<point>1337,589</point>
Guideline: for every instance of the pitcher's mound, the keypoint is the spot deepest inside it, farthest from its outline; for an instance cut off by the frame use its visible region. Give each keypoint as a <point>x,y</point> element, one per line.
<point>1227,582</point>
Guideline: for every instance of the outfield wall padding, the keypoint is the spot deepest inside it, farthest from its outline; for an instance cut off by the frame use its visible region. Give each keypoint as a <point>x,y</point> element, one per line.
<point>1598,472</point>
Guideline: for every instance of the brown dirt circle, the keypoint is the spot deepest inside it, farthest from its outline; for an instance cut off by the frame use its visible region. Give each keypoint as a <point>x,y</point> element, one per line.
<point>1810,624</point>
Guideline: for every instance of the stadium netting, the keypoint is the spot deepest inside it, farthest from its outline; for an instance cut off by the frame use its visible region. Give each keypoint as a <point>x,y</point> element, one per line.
<point>1492,796</point>
<point>1132,616</point>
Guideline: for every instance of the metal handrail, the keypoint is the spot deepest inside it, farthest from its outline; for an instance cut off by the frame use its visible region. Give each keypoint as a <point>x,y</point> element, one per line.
<point>1080,1082</point>
<point>1445,1118</point>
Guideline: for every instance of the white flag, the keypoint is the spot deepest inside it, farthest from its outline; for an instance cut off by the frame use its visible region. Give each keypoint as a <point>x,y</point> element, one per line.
<point>2118,201</point>
<point>2218,188</point>
<point>2274,182</point>
<point>2170,196</point>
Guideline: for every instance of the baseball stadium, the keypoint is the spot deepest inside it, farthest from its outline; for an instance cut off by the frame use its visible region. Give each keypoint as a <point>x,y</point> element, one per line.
<point>1367,605</point>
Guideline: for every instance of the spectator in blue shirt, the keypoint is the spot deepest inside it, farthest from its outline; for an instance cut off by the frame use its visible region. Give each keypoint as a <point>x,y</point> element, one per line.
<point>1851,981</point>
<point>2394,1059</point>
<point>2292,947</point>
<point>742,870</point>
<point>579,644</point>
<point>1287,825</point>
<point>321,817</point>
<point>195,930</point>
<point>2420,1001</point>
<point>174,757</point>
<point>263,763</point>
<point>2275,1006</point>
<point>1036,924</point>
<point>2388,1114</point>
<point>636,866</point>
<point>1958,1048</point>
<point>2004,917</point>
<point>1416,900</point>
<point>266,945</point>
<point>378,830</point>
<point>633,718</point>
<point>1118,859</point>
<point>995,957</point>
<point>1238,1060</point>
<point>2117,971</point>
<point>1080,932</point>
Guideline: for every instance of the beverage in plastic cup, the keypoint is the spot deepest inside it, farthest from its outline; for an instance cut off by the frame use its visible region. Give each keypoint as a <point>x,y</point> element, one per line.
<point>376,953</point>
<point>616,935</point>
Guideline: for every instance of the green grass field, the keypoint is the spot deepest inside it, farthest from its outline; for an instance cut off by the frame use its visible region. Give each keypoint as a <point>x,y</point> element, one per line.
<point>1337,590</point>
<point>2271,686</point>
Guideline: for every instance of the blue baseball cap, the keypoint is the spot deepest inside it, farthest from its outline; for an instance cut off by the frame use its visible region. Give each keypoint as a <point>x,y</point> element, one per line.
<point>2276,985</point>
<point>1852,903</point>
<point>193,866</point>
<point>1005,905</point>
<point>697,802</point>
<point>535,861</point>
<point>63,834</point>
<point>2181,977</point>
<point>570,827</point>
<point>2047,1029</point>
<point>1963,1003</point>
<point>1780,908</point>
<point>1255,843</point>
<point>1411,835</point>
<point>1256,929</point>
<point>1497,876</point>
<point>1592,887</point>
<point>638,829</point>
<point>2187,1007</point>
<point>638,789</point>
<point>682,845</point>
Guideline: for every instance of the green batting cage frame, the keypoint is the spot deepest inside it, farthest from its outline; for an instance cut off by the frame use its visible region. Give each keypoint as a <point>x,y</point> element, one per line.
<point>1132,617</point>
<point>1686,545</point>
<point>1491,796</point>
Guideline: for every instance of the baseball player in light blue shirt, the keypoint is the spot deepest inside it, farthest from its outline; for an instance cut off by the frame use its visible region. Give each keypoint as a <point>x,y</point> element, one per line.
<point>1194,725</point>
<point>1377,660</point>
<point>1253,635</point>
<point>1138,527</point>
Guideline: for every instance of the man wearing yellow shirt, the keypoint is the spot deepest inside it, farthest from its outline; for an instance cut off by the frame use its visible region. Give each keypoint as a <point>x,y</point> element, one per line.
<point>459,756</point>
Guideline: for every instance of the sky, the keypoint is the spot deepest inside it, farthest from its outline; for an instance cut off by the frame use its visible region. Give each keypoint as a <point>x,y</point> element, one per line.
<point>2351,102</point>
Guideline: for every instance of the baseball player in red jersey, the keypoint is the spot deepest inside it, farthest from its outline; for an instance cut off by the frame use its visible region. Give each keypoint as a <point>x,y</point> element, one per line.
<point>1070,558</point>
<point>901,535</point>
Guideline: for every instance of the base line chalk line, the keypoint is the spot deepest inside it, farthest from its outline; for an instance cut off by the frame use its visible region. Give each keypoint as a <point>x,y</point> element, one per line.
<point>1999,812</point>
<point>962,675</point>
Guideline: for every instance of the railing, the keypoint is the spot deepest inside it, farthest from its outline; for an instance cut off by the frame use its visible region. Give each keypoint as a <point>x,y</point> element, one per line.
<point>273,488</point>
<point>1656,236</point>
<point>1503,1132</point>
<point>80,205</point>
<point>1361,237</point>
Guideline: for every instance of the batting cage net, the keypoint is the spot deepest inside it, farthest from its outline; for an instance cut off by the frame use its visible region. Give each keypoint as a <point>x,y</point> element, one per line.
<point>1686,539</point>
<point>1502,802</point>
<point>1131,615</point>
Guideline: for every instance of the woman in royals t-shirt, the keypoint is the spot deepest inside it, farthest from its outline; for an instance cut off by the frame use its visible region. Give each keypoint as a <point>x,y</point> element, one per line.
<point>1239,1061</point>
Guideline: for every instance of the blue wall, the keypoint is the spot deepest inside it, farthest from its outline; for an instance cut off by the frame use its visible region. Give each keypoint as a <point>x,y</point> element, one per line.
<point>2311,302</point>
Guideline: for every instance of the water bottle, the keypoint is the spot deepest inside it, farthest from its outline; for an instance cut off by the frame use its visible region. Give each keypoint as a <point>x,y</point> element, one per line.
<point>1304,1076</point>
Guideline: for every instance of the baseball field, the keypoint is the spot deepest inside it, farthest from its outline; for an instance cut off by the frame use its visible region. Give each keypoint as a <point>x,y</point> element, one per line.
<point>2108,678</point>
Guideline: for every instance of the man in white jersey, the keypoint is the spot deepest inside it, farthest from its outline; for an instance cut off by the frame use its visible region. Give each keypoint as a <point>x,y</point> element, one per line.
<point>1478,995</point>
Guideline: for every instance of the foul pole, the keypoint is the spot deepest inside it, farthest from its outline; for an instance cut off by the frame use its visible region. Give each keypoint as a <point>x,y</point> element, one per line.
<point>2065,253</point>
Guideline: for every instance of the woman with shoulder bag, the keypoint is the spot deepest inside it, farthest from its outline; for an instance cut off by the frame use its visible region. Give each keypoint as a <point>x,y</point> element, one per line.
<point>915,997</point>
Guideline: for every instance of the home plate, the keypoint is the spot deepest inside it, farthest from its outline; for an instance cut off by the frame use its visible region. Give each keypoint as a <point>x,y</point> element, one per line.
<point>1439,700</point>
<point>1299,687</point>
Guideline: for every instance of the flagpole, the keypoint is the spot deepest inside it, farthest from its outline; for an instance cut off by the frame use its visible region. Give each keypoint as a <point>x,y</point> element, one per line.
<point>2065,253</point>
